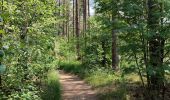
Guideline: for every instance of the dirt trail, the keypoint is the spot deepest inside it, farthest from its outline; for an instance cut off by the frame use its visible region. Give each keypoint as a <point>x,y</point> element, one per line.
<point>73,88</point>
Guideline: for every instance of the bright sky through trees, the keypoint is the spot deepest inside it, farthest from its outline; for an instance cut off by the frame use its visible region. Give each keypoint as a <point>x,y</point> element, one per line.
<point>92,11</point>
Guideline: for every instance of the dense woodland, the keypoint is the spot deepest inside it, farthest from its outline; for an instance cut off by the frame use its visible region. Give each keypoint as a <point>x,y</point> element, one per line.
<point>122,49</point>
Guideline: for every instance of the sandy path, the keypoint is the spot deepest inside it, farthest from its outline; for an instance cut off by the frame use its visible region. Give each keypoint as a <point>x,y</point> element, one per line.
<point>74,88</point>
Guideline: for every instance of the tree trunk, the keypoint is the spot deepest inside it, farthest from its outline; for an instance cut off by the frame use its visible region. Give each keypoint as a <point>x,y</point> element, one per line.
<point>77,30</point>
<point>114,50</point>
<point>68,19</point>
<point>114,44</point>
<point>88,8</point>
<point>84,20</point>
<point>59,4</point>
<point>104,54</point>
<point>88,16</point>
<point>84,15</point>
<point>156,47</point>
<point>73,17</point>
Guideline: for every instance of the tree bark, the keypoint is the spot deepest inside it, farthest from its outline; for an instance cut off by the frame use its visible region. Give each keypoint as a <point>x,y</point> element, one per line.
<point>84,19</point>
<point>88,8</point>
<point>114,50</point>
<point>84,15</point>
<point>73,18</point>
<point>77,31</point>
<point>59,4</point>
<point>104,60</point>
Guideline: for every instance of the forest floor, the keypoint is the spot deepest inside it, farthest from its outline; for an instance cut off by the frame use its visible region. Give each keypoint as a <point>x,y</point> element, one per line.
<point>73,88</point>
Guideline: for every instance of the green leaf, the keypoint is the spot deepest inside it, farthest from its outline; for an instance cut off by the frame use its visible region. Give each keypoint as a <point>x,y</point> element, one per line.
<point>1,23</point>
<point>2,32</point>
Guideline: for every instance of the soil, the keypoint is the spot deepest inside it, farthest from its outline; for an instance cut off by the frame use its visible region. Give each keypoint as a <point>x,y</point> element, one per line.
<point>73,88</point>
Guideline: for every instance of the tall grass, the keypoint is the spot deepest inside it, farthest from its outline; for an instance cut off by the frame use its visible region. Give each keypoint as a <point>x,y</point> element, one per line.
<point>74,67</point>
<point>52,89</point>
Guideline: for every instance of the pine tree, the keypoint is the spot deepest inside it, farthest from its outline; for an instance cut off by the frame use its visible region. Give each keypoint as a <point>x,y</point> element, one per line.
<point>77,29</point>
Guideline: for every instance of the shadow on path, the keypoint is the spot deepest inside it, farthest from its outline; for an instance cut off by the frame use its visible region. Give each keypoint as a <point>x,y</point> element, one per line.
<point>73,88</point>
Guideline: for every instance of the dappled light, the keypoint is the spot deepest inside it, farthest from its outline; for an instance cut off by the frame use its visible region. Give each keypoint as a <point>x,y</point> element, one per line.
<point>84,49</point>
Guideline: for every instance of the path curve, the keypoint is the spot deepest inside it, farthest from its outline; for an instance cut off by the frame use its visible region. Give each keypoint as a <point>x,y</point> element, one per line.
<point>73,88</point>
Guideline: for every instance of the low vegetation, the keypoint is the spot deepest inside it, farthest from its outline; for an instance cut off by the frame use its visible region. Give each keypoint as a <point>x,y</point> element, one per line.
<point>51,88</point>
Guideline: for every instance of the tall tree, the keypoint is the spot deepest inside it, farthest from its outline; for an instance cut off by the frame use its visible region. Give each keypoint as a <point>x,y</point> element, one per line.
<point>106,8</point>
<point>84,15</point>
<point>84,19</point>
<point>88,3</point>
<point>64,16</point>
<point>114,48</point>
<point>77,29</point>
<point>156,45</point>
<point>59,5</point>
<point>67,24</point>
<point>88,12</point>
<point>73,18</point>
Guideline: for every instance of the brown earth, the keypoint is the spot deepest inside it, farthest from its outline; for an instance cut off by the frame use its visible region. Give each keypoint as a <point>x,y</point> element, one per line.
<point>73,88</point>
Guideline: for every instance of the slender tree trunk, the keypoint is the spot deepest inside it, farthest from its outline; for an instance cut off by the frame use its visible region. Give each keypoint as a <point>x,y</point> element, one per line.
<point>114,45</point>
<point>84,15</point>
<point>77,30</point>
<point>88,8</point>
<point>64,16</point>
<point>103,54</point>
<point>88,15</point>
<point>84,19</point>
<point>59,4</point>
<point>68,28</point>
<point>114,50</point>
<point>68,18</point>
<point>73,18</point>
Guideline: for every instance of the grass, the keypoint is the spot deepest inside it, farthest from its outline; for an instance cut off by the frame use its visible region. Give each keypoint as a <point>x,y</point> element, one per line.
<point>109,84</point>
<point>52,89</point>
<point>96,77</point>
<point>99,77</point>
<point>73,67</point>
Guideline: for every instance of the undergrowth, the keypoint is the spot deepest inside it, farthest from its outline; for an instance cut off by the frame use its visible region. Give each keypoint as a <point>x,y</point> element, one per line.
<point>52,87</point>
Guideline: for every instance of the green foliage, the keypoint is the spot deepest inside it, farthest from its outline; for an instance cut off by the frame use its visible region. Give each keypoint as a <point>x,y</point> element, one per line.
<point>28,92</point>
<point>98,77</point>
<point>98,46</point>
<point>28,46</point>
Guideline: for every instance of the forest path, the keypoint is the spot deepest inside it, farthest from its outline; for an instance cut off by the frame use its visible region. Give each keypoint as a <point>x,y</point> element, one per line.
<point>73,88</point>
